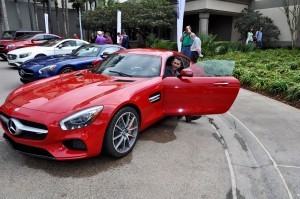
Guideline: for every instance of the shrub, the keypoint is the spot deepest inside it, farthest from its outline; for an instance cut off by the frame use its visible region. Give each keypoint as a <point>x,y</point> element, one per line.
<point>151,39</point>
<point>165,44</point>
<point>293,93</point>
<point>279,86</point>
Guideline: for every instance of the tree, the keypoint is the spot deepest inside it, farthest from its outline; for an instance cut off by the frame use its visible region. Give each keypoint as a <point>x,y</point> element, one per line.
<point>4,15</point>
<point>292,16</point>
<point>56,16</point>
<point>141,16</point>
<point>18,13</point>
<point>254,19</point>
<point>35,14</point>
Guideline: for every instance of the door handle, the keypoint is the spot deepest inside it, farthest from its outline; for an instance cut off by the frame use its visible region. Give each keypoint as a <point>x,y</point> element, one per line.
<point>221,83</point>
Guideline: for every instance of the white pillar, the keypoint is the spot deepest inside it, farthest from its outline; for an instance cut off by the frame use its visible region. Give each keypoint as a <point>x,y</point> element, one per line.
<point>203,22</point>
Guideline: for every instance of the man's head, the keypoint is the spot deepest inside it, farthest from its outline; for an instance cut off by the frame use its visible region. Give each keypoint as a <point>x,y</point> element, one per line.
<point>176,63</point>
<point>193,36</point>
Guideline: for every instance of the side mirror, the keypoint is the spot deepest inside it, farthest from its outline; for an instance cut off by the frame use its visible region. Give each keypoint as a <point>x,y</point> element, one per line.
<point>105,54</point>
<point>32,41</point>
<point>187,72</point>
<point>59,46</point>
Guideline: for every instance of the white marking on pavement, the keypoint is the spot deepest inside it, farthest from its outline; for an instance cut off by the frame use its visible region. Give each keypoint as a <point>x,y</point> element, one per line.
<point>271,158</point>
<point>233,182</point>
<point>288,166</point>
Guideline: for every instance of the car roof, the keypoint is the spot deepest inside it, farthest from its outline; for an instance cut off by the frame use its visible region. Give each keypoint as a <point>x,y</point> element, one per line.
<point>149,51</point>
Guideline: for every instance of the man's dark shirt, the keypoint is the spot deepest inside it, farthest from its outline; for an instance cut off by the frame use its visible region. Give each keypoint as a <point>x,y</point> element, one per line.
<point>168,72</point>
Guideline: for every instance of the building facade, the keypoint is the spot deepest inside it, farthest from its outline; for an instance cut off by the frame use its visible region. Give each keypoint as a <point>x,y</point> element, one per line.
<point>217,17</point>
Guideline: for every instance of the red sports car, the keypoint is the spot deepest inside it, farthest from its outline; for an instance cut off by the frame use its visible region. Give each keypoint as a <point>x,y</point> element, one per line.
<point>77,115</point>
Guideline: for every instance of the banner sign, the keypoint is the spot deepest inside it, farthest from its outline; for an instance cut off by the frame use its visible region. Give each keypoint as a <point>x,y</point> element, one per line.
<point>46,23</point>
<point>180,14</point>
<point>118,24</point>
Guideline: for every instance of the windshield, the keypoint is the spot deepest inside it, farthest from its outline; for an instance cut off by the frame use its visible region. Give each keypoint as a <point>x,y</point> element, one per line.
<point>51,42</point>
<point>130,65</point>
<point>8,35</point>
<point>23,37</point>
<point>87,51</point>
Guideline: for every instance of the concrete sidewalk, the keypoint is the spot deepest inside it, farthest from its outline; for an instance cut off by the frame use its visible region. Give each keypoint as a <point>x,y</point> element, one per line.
<point>263,137</point>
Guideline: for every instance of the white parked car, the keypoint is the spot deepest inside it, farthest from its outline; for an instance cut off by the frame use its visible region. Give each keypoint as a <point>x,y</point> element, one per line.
<point>51,47</point>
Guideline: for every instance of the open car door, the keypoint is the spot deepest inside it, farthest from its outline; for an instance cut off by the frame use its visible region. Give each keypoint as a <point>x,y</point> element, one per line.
<point>204,88</point>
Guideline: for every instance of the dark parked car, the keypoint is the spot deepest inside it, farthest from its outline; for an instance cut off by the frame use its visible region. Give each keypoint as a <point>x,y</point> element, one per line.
<point>82,58</point>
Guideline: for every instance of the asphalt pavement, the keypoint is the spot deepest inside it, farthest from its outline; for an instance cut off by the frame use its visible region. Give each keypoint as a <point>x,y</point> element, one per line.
<point>252,151</point>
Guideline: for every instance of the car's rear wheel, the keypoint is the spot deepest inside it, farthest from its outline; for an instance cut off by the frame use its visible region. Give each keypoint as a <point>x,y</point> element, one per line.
<point>40,55</point>
<point>66,70</point>
<point>122,132</point>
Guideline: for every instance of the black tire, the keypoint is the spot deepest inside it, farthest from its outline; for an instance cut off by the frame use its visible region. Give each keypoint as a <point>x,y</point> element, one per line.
<point>66,70</point>
<point>122,133</point>
<point>40,55</point>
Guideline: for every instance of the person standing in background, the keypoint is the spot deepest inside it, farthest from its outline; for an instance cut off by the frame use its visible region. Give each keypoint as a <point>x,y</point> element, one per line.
<point>92,38</point>
<point>249,36</point>
<point>195,48</point>
<point>100,39</point>
<point>108,38</point>
<point>125,40</point>
<point>75,36</point>
<point>186,41</point>
<point>120,38</point>
<point>259,36</point>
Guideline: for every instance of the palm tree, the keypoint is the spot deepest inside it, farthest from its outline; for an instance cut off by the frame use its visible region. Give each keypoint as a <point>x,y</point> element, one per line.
<point>30,16</point>
<point>18,13</point>
<point>56,15</point>
<point>64,17</point>
<point>35,15</point>
<point>67,18</point>
<point>4,15</point>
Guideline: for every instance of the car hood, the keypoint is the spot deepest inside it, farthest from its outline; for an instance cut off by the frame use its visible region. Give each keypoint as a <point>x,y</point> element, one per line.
<point>30,49</point>
<point>69,92</point>
<point>2,42</point>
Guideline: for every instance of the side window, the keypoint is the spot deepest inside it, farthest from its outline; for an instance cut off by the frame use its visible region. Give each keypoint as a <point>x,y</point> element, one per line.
<point>186,62</point>
<point>48,37</point>
<point>39,37</point>
<point>80,43</point>
<point>110,50</point>
<point>69,43</point>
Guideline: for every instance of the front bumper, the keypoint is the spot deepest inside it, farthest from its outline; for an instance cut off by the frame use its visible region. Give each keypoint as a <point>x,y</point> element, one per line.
<point>56,144</point>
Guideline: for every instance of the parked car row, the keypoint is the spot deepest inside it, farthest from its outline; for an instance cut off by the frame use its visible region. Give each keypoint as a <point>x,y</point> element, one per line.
<point>39,55</point>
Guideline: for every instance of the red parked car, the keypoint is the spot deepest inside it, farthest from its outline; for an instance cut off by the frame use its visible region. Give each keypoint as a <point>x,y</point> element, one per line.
<point>24,41</point>
<point>77,115</point>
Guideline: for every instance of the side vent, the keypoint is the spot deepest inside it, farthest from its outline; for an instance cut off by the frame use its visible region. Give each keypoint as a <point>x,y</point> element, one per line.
<point>155,97</point>
<point>124,80</point>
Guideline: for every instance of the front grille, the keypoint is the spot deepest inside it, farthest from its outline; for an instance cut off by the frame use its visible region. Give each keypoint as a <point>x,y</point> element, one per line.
<point>26,129</point>
<point>25,73</point>
<point>28,149</point>
<point>2,47</point>
<point>11,57</point>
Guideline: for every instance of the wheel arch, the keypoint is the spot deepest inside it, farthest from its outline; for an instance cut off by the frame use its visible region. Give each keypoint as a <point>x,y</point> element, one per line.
<point>67,66</point>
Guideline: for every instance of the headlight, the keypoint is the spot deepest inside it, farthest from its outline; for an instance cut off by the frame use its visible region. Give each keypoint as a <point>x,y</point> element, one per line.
<point>25,55</point>
<point>47,69</point>
<point>9,46</point>
<point>80,119</point>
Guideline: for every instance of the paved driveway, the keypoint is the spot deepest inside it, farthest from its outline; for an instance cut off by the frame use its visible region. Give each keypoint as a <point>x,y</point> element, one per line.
<point>249,152</point>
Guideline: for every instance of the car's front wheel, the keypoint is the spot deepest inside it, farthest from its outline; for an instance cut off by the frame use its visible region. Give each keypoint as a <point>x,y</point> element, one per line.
<point>66,70</point>
<point>122,132</point>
